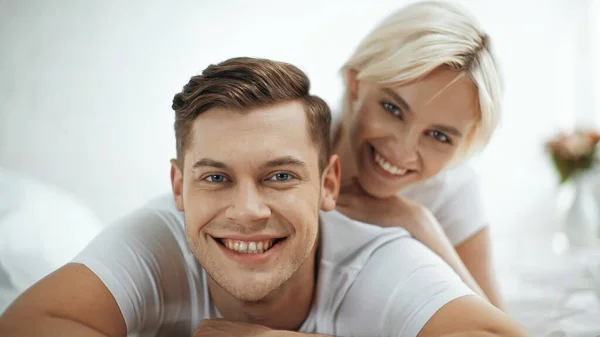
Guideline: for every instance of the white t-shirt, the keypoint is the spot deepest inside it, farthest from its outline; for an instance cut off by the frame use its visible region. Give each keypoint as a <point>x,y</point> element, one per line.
<point>372,281</point>
<point>454,198</point>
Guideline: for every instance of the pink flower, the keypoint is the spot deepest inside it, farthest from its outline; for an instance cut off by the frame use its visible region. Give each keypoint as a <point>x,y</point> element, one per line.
<point>574,145</point>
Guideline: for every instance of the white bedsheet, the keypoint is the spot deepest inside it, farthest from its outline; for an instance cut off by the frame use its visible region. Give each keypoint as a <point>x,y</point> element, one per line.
<point>41,228</point>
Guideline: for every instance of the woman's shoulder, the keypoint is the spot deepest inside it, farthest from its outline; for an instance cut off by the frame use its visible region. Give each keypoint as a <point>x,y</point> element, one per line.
<point>449,183</point>
<point>454,197</point>
<point>456,177</point>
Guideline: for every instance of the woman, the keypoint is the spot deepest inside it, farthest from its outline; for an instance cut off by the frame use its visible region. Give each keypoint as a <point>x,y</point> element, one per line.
<point>423,93</point>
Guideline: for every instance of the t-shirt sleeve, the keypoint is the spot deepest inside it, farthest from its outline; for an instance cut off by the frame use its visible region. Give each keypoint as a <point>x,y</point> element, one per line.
<point>400,288</point>
<point>461,213</point>
<point>140,261</point>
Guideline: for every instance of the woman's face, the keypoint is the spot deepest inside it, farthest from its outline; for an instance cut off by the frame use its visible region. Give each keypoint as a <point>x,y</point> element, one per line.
<point>405,134</point>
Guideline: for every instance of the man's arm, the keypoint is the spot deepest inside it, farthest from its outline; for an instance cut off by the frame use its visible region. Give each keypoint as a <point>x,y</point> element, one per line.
<point>72,301</point>
<point>468,316</point>
<point>117,285</point>
<point>475,253</point>
<point>471,316</point>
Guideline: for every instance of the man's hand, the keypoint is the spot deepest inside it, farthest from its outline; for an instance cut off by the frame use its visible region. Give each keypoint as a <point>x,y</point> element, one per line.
<point>225,328</point>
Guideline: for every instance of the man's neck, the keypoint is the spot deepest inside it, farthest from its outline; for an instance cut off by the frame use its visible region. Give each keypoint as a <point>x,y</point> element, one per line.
<point>286,308</point>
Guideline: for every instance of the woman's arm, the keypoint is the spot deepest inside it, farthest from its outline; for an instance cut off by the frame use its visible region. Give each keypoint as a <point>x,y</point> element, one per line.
<point>475,252</point>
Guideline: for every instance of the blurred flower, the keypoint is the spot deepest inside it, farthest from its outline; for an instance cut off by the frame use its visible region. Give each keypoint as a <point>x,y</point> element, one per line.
<point>574,153</point>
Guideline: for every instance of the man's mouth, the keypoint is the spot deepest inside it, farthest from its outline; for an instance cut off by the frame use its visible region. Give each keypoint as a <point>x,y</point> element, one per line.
<point>247,246</point>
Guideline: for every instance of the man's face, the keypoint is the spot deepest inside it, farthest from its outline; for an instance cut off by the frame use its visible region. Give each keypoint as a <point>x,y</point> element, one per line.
<point>251,193</point>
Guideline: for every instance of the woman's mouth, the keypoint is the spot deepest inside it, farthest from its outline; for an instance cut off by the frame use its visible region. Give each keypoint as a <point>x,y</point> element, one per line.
<point>388,167</point>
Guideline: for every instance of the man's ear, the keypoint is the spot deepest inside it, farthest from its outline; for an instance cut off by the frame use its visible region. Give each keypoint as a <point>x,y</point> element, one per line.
<point>330,184</point>
<point>352,83</point>
<point>177,184</point>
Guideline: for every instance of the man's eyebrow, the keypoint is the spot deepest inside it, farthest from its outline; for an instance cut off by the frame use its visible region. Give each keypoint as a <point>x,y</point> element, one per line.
<point>398,99</point>
<point>207,162</point>
<point>281,161</point>
<point>285,161</point>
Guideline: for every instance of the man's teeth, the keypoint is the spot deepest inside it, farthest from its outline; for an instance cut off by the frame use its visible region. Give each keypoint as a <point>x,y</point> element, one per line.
<point>386,166</point>
<point>249,247</point>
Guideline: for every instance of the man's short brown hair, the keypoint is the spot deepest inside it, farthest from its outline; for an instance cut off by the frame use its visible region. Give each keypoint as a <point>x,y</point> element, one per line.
<point>240,84</point>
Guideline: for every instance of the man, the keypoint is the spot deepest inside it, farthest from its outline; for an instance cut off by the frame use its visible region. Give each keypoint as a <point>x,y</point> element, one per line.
<point>252,174</point>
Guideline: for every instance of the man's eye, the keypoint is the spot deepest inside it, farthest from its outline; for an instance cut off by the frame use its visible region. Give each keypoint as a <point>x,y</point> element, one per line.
<point>440,136</point>
<point>391,108</point>
<point>216,178</point>
<point>281,177</point>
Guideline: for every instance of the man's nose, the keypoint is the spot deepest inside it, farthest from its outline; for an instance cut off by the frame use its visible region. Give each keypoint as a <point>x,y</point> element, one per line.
<point>247,204</point>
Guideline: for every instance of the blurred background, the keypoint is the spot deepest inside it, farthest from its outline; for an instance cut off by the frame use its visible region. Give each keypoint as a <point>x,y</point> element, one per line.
<point>86,90</point>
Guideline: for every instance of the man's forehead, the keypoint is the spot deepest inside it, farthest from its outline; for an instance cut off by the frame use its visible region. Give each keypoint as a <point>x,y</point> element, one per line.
<point>241,160</point>
<point>256,136</point>
<point>275,118</point>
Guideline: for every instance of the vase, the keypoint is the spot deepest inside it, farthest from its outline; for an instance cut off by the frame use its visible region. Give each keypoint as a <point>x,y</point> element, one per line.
<point>581,223</point>
<point>595,186</point>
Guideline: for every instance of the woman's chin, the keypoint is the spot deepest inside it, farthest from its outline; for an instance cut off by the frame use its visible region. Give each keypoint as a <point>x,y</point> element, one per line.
<point>377,189</point>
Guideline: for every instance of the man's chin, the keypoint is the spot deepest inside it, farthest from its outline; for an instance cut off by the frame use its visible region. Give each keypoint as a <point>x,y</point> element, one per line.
<point>251,297</point>
<point>252,291</point>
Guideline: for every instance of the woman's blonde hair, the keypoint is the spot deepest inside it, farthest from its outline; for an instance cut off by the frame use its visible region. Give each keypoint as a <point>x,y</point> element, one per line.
<point>422,37</point>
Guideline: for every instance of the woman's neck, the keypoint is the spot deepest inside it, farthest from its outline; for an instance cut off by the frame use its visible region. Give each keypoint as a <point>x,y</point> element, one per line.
<point>342,147</point>
<point>286,308</point>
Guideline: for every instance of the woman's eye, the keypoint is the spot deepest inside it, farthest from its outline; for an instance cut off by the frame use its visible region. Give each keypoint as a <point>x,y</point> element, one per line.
<point>440,136</point>
<point>391,108</point>
<point>281,177</point>
<point>216,178</point>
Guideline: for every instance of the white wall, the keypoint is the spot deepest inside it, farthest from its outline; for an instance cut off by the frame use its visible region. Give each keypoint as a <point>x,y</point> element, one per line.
<point>86,86</point>
<point>594,41</point>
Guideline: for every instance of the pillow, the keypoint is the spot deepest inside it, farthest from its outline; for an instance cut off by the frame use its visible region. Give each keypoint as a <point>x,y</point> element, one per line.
<point>41,228</point>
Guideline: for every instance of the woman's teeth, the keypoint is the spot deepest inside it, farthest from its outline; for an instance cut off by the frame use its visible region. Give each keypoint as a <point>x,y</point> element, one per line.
<point>386,166</point>
<point>249,247</point>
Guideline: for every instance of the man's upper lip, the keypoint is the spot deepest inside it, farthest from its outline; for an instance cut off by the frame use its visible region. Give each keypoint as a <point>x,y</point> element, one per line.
<point>248,237</point>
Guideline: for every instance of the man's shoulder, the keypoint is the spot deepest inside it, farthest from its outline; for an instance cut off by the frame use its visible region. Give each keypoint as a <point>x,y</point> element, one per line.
<point>352,250</point>
<point>144,261</point>
<point>402,285</point>
<point>158,213</point>
<point>383,254</point>
<point>150,231</point>
<point>371,276</point>
<point>347,243</point>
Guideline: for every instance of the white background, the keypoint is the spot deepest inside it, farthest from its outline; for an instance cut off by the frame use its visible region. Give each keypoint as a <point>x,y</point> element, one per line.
<point>86,89</point>
<point>86,86</point>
